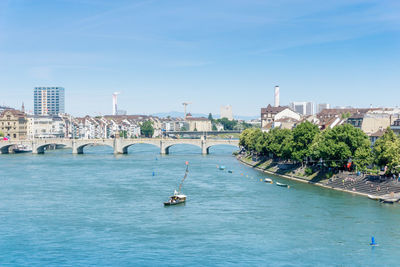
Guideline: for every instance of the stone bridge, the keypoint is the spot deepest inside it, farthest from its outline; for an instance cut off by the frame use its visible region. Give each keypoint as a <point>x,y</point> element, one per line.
<point>119,145</point>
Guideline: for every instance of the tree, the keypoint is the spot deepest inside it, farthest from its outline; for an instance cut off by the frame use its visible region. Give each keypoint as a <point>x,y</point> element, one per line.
<point>214,127</point>
<point>303,136</point>
<point>228,124</point>
<point>279,143</point>
<point>363,157</point>
<point>387,152</point>
<point>338,145</point>
<point>248,139</point>
<point>210,117</point>
<point>123,134</point>
<point>147,129</point>
<point>1,134</point>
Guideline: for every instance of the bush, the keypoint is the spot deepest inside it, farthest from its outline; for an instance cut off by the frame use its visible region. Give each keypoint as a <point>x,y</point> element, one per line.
<point>308,171</point>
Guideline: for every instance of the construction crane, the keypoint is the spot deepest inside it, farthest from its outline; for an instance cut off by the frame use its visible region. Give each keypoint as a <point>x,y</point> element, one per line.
<point>185,104</point>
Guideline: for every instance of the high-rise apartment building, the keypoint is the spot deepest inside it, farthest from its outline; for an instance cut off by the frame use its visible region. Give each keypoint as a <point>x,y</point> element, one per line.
<point>321,107</point>
<point>303,108</point>
<point>226,112</point>
<point>48,100</point>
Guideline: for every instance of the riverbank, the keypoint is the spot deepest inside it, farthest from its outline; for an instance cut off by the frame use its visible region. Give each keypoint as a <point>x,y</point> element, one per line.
<point>330,184</point>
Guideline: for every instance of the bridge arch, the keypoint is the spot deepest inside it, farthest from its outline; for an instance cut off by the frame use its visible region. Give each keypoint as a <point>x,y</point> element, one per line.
<point>125,147</point>
<point>40,148</point>
<point>5,148</point>
<point>208,146</point>
<point>167,147</point>
<point>78,148</point>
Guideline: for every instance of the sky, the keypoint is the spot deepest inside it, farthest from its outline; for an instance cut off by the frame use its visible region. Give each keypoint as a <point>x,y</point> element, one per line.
<point>160,53</point>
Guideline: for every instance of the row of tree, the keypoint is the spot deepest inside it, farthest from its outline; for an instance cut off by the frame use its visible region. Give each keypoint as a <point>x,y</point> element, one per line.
<point>336,147</point>
<point>229,125</point>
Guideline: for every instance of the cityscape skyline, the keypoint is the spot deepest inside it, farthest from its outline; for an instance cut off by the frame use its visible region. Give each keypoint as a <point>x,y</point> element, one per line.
<point>316,52</point>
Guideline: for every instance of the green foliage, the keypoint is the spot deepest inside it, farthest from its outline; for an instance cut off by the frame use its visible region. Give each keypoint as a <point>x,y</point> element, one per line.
<point>336,146</point>
<point>214,127</point>
<point>147,129</point>
<point>1,134</point>
<point>248,139</point>
<point>184,129</point>
<point>279,143</point>
<point>346,115</point>
<point>308,171</point>
<point>303,136</point>
<point>210,117</point>
<point>228,124</point>
<point>387,152</point>
<point>363,158</point>
<point>123,134</point>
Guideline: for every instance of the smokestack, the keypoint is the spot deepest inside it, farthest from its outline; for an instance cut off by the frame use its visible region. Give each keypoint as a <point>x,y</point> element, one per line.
<point>277,96</point>
<point>114,97</point>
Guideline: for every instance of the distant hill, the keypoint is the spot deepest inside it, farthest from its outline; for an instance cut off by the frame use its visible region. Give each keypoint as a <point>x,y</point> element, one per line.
<point>177,114</point>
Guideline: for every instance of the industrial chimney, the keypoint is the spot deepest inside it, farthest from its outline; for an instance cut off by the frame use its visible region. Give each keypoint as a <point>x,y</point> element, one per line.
<point>277,96</point>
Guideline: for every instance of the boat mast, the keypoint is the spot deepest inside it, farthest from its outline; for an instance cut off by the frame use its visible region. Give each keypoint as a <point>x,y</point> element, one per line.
<point>186,173</point>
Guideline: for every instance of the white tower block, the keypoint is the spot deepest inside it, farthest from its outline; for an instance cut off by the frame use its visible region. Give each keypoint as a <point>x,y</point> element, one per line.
<point>115,108</point>
<point>277,96</point>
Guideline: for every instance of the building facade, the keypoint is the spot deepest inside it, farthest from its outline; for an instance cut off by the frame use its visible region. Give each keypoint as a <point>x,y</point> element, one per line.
<point>45,127</point>
<point>303,108</point>
<point>13,124</point>
<point>322,106</point>
<point>49,100</point>
<point>226,112</point>
<point>199,124</point>
<point>270,114</point>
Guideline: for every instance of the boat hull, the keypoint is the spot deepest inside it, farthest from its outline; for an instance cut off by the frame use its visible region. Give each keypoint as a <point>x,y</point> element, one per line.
<point>282,185</point>
<point>173,203</point>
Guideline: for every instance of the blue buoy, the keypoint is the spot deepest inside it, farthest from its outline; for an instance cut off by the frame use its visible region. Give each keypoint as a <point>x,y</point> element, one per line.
<point>154,173</point>
<point>373,243</point>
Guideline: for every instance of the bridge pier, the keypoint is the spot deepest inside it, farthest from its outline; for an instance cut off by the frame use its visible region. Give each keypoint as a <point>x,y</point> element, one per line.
<point>76,149</point>
<point>164,150</point>
<point>36,149</point>
<point>204,149</point>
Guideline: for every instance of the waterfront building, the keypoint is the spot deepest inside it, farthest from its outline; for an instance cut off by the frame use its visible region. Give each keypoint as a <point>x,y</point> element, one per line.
<point>48,100</point>
<point>226,112</point>
<point>303,108</point>
<point>200,124</point>
<point>270,114</point>
<point>43,126</point>
<point>13,124</point>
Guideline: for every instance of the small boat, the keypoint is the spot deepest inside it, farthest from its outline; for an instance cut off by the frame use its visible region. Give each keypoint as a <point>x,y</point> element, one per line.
<point>21,149</point>
<point>222,168</point>
<point>282,185</point>
<point>230,171</point>
<point>178,197</point>
<point>267,180</point>
<point>373,197</point>
<point>388,200</point>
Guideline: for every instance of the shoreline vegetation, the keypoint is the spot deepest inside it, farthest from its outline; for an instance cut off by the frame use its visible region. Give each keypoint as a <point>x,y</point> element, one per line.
<point>341,158</point>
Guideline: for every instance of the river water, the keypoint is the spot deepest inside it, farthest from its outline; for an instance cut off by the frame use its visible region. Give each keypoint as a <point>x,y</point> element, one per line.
<point>99,209</point>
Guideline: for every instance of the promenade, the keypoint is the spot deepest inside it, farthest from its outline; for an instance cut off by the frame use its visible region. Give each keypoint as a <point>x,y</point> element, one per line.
<point>366,186</point>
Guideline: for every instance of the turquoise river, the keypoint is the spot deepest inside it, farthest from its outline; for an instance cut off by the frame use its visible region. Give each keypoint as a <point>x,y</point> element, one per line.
<point>98,209</point>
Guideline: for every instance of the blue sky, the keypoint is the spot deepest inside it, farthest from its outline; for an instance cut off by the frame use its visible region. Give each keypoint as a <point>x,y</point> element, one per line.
<point>159,54</point>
